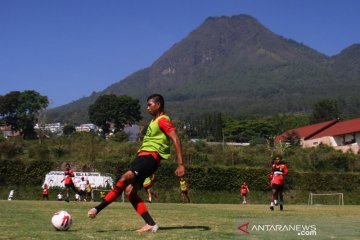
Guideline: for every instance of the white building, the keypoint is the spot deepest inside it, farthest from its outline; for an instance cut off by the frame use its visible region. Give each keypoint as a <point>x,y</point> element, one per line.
<point>54,128</point>
<point>87,127</point>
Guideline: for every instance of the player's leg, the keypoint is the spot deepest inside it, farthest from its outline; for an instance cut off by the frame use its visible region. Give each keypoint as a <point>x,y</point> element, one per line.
<point>273,196</point>
<point>145,167</point>
<point>76,191</point>
<point>140,167</point>
<point>281,197</point>
<point>187,196</point>
<point>154,195</point>
<point>148,190</point>
<point>67,189</point>
<point>120,186</point>
<point>140,207</point>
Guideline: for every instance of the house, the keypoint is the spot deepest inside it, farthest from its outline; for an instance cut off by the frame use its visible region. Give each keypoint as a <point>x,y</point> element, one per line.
<point>341,135</point>
<point>7,132</point>
<point>54,128</point>
<point>133,131</point>
<point>87,127</point>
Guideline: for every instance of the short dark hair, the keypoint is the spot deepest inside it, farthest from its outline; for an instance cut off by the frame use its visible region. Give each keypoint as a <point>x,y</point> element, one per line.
<point>159,99</point>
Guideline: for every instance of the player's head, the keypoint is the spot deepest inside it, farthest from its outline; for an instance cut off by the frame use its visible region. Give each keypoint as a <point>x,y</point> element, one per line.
<point>244,183</point>
<point>155,104</point>
<point>82,178</point>
<point>68,165</point>
<point>278,159</point>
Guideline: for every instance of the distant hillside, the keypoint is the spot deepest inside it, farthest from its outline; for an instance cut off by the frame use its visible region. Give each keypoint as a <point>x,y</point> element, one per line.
<point>235,65</point>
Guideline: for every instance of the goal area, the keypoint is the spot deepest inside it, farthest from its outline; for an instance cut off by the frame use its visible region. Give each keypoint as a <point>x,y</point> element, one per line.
<point>326,199</point>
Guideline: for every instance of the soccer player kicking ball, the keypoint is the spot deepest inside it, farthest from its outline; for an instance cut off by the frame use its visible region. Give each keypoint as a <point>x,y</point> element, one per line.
<point>279,170</point>
<point>155,147</point>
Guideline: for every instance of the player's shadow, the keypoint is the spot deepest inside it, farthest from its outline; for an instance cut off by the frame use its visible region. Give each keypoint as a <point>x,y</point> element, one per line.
<point>201,228</point>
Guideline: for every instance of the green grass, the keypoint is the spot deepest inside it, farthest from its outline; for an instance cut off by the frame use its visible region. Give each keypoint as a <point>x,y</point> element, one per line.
<point>31,220</point>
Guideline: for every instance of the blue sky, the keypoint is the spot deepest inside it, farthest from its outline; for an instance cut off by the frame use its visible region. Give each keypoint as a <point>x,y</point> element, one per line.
<point>66,49</point>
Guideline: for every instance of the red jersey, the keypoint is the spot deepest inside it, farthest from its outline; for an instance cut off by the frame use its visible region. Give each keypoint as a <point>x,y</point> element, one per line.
<point>244,189</point>
<point>46,191</point>
<point>69,174</point>
<point>278,172</point>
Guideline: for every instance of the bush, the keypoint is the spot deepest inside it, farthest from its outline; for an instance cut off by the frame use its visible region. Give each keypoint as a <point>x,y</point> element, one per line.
<point>11,148</point>
<point>120,136</point>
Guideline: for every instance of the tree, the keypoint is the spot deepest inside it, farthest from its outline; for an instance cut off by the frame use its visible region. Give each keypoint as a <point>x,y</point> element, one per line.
<point>325,110</point>
<point>245,130</point>
<point>20,110</point>
<point>68,130</point>
<point>208,125</point>
<point>114,110</point>
<point>120,136</point>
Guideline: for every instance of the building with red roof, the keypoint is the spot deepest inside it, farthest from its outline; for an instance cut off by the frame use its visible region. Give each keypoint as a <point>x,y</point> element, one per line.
<point>341,135</point>
<point>7,132</point>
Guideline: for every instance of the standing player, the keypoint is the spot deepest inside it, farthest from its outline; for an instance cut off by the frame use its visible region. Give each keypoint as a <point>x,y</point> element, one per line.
<point>244,189</point>
<point>155,147</point>
<point>88,190</point>
<point>184,188</point>
<point>59,197</point>
<point>82,189</point>
<point>69,174</point>
<point>148,182</point>
<point>46,192</point>
<point>279,170</point>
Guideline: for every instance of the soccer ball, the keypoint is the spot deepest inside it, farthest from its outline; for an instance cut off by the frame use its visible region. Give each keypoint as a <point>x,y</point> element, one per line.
<point>61,220</point>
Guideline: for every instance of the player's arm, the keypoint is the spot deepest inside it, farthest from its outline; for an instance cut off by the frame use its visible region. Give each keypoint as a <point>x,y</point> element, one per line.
<point>168,128</point>
<point>286,171</point>
<point>180,170</point>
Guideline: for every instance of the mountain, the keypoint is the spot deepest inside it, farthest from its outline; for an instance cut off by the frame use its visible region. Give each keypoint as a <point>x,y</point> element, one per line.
<point>235,65</point>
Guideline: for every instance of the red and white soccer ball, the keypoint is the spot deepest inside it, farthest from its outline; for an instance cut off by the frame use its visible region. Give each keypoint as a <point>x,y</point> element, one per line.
<point>61,220</point>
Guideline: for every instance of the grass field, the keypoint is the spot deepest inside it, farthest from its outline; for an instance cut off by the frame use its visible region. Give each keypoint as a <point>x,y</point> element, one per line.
<point>31,220</point>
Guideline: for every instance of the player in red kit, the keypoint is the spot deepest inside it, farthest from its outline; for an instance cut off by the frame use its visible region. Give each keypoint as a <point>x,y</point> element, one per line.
<point>279,170</point>
<point>69,174</point>
<point>46,192</point>
<point>244,189</point>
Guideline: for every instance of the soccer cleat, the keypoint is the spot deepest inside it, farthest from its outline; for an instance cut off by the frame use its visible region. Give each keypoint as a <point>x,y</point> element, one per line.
<point>148,228</point>
<point>272,208</point>
<point>281,207</point>
<point>275,202</point>
<point>92,213</point>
